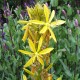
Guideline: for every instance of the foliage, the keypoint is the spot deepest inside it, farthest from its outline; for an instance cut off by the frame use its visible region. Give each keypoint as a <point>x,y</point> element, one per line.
<point>66,54</point>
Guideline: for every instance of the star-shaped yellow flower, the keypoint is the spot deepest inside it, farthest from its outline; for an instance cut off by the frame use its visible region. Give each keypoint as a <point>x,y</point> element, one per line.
<point>48,23</point>
<point>27,32</point>
<point>35,54</point>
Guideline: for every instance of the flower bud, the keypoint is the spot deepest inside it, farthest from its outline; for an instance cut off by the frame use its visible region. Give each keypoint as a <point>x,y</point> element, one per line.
<point>64,12</point>
<point>76,22</point>
<point>78,11</point>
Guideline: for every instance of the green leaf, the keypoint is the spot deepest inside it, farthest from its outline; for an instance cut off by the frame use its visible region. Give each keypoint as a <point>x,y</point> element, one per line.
<point>54,3</point>
<point>67,71</point>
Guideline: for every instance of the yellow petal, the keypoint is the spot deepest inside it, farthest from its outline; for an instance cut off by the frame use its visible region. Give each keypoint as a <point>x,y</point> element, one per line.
<point>22,22</point>
<point>45,51</point>
<point>52,35</point>
<point>24,77</point>
<point>52,15</point>
<point>51,64</point>
<point>37,22</point>
<point>29,72</point>
<point>25,35</point>
<point>40,60</point>
<point>49,76</point>
<point>29,11</point>
<point>31,61</point>
<point>57,23</point>
<point>31,45</point>
<point>25,52</point>
<point>40,43</point>
<point>60,78</point>
<point>44,29</point>
<point>25,27</point>
<point>31,34</point>
<point>46,12</point>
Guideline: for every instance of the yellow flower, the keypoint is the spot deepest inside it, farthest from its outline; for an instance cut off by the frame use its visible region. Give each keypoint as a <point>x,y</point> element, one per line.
<point>27,32</point>
<point>35,54</point>
<point>24,77</point>
<point>48,23</point>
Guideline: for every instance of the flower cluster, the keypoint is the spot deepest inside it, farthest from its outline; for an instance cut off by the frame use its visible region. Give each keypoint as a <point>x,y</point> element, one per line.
<point>38,30</point>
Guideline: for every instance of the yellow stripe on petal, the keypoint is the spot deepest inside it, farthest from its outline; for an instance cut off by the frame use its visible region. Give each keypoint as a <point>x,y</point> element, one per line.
<point>31,61</point>
<point>45,51</point>
<point>52,16</point>
<point>40,43</point>
<point>29,72</point>
<point>24,77</point>
<point>46,12</point>
<point>57,23</point>
<point>25,35</point>
<point>31,45</point>
<point>52,35</point>
<point>37,22</point>
<point>44,29</point>
<point>25,52</point>
<point>40,60</point>
<point>22,22</point>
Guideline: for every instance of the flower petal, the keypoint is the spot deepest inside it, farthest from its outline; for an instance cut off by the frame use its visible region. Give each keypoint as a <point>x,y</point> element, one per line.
<point>37,22</point>
<point>52,15</point>
<point>60,78</point>
<point>31,45</point>
<point>25,35</point>
<point>25,52</point>
<point>29,72</point>
<point>46,12</point>
<point>45,51</point>
<point>44,29</point>
<point>48,68</point>
<point>52,35</point>
<point>22,22</point>
<point>31,34</point>
<point>24,77</point>
<point>40,43</point>
<point>31,61</point>
<point>40,60</point>
<point>29,11</point>
<point>57,23</point>
<point>24,27</point>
